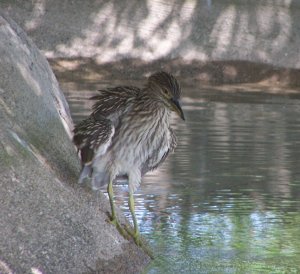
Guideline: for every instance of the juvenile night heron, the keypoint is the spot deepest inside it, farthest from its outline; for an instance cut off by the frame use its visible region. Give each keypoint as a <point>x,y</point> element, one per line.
<point>128,134</point>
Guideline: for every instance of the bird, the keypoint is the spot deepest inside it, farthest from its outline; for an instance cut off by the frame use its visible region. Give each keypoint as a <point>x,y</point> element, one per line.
<point>127,134</point>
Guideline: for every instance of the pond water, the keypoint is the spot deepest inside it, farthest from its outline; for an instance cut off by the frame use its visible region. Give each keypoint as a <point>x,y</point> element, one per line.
<point>228,199</point>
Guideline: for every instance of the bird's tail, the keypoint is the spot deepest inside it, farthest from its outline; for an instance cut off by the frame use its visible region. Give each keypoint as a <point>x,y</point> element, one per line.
<point>85,174</point>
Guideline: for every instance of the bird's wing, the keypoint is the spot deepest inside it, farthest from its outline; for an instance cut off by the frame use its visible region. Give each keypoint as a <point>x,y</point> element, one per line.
<point>159,155</point>
<point>93,136</point>
<point>114,101</point>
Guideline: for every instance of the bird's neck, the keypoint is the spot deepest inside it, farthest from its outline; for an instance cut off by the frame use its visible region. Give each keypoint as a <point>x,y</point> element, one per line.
<point>151,102</point>
<point>150,96</point>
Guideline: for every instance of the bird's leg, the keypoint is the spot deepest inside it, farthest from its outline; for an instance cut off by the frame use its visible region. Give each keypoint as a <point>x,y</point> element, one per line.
<point>127,231</point>
<point>113,217</point>
<point>136,234</point>
<point>111,200</point>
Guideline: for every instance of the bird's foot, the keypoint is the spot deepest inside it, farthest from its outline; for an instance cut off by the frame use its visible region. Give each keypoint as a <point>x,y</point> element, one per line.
<point>139,241</point>
<point>114,221</point>
<point>128,233</point>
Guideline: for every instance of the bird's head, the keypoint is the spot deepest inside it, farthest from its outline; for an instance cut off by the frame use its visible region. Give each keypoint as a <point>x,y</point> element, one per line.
<point>166,89</point>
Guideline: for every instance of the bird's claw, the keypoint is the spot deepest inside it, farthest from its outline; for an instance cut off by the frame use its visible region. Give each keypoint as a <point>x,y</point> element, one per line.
<point>119,227</point>
<point>128,233</point>
<point>135,235</point>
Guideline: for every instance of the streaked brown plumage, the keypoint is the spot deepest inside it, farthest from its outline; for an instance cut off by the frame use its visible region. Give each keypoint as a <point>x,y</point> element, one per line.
<point>128,134</point>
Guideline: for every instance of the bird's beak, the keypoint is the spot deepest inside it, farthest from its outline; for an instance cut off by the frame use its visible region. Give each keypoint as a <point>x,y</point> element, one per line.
<point>177,108</point>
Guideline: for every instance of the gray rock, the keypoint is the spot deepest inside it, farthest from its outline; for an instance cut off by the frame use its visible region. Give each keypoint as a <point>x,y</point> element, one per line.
<point>48,222</point>
<point>258,31</point>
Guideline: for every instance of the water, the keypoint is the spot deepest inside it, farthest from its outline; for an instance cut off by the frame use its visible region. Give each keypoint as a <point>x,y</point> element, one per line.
<point>227,201</point>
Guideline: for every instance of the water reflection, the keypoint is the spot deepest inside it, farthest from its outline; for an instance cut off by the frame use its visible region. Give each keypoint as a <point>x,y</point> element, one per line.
<point>228,200</point>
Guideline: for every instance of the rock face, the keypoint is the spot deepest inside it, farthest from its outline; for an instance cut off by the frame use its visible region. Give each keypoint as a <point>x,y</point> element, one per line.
<point>200,41</point>
<point>48,223</point>
<point>199,30</point>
